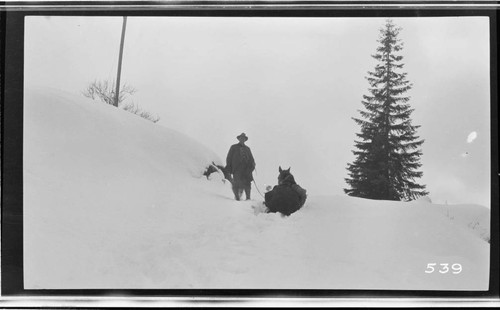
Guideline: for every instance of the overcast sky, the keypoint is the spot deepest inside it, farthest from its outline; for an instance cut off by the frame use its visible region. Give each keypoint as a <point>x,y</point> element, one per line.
<point>291,84</point>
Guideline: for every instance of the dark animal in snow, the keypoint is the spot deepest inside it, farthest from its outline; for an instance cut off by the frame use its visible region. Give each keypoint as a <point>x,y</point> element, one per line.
<point>287,197</point>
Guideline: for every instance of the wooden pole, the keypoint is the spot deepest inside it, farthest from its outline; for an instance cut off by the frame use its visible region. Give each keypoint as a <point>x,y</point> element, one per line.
<point>117,93</point>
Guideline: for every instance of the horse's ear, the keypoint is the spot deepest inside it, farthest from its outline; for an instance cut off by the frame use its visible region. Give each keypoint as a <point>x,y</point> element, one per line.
<point>288,169</point>
<point>280,170</point>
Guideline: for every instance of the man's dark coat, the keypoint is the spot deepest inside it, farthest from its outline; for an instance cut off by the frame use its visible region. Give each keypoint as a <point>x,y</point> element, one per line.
<point>240,163</point>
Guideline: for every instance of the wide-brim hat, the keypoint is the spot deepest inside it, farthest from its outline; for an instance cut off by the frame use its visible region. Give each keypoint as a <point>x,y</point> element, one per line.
<point>242,136</point>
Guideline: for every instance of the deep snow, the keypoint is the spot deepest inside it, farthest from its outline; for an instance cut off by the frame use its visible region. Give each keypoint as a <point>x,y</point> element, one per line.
<point>114,201</point>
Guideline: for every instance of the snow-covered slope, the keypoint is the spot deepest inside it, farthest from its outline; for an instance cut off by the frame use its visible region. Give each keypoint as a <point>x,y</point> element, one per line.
<point>114,201</point>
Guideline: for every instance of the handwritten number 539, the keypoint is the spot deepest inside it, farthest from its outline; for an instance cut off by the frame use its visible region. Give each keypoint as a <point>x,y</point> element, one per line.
<point>443,268</point>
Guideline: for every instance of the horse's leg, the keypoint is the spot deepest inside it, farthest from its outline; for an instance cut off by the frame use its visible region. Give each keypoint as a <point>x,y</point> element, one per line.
<point>239,186</point>
<point>248,189</point>
<point>235,191</point>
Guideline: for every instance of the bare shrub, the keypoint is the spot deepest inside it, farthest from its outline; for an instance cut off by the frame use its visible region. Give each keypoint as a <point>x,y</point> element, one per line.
<point>135,109</point>
<point>105,91</point>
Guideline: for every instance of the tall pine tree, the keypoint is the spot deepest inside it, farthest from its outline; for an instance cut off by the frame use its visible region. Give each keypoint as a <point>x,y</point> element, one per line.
<point>387,151</point>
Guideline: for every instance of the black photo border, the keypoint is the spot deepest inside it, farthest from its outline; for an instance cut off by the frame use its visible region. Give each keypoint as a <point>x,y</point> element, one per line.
<point>12,18</point>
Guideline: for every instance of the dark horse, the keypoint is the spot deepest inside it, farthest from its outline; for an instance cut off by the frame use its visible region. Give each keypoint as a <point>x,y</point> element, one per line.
<point>287,197</point>
<point>214,168</point>
<point>236,183</point>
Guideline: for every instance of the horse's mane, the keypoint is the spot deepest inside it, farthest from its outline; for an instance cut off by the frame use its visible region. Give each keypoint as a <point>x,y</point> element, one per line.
<point>286,177</point>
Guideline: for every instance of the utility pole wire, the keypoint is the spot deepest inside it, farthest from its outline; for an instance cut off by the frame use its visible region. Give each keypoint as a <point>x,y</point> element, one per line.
<point>117,93</point>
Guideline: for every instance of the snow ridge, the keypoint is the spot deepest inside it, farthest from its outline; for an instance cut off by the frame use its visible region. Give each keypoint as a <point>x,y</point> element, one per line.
<point>114,201</point>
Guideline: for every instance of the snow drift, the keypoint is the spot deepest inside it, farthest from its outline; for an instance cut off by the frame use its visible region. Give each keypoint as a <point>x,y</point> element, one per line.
<point>114,201</point>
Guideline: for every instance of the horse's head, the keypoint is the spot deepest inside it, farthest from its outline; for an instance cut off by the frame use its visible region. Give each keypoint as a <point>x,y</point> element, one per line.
<point>285,177</point>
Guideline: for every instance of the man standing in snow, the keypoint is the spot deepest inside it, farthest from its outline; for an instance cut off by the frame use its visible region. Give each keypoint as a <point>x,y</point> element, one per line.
<point>240,164</point>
